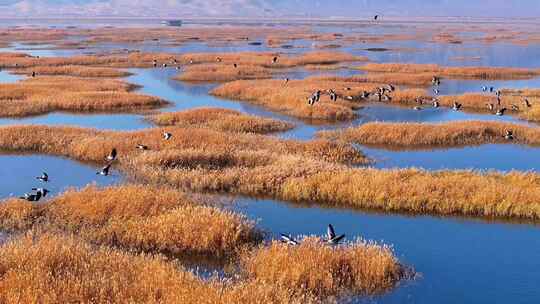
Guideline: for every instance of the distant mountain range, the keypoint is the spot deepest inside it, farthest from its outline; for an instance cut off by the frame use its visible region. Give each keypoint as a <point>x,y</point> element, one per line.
<point>268,8</point>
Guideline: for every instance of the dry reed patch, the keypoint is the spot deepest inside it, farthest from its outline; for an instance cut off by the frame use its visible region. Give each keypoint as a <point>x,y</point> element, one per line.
<point>92,145</point>
<point>16,214</point>
<point>417,79</point>
<point>321,270</point>
<point>492,73</point>
<point>291,97</point>
<point>223,72</point>
<point>73,70</point>
<point>421,135</point>
<point>221,120</point>
<point>46,94</point>
<point>48,268</point>
<point>146,218</point>
<point>480,102</point>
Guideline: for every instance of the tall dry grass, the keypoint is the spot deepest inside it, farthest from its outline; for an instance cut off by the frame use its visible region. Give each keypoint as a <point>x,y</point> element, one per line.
<point>143,218</point>
<point>492,73</point>
<point>73,70</point>
<point>222,73</point>
<point>422,135</point>
<point>320,270</point>
<point>416,79</point>
<point>92,145</point>
<point>46,94</point>
<point>221,120</point>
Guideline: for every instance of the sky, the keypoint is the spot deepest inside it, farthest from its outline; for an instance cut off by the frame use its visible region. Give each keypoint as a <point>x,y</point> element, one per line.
<point>268,8</point>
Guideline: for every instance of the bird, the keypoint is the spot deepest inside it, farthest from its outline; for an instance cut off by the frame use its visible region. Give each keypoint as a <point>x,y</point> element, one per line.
<point>167,135</point>
<point>31,197</point>
<point>491,89</point>
<point>141,147</point>
<point>490,106</point>
<point>154,63</point>
<point>419,100</point>
<point>235,65</point>
<point>33,73</point>
<point>42,191</point>
<point>112,155</point>
<point>311,101</point>
<point>390,87</point>
<point>436,91</point>
<point>288,239</point>
<point>514,107</point>
<point>44,177</point>
<point>417,108</point>
<point>484,89</point>
<point>500,112</point>
<point>286,80</point>
<point>375,17</point>
<point>509,135</point>
<point>498,100</point>
<point>498,93</point>
<point>332,238</point>
<point>177,67</point>
<point>218,59</point>
<point>191,61</point>
<point>164,65</point>
<point>274,60</point>
<point>527,103</point>
<point>435,103</point>
<point>457,106</point>
<point>365,94</point>
<point>435,81</point>
<point>105,170</point>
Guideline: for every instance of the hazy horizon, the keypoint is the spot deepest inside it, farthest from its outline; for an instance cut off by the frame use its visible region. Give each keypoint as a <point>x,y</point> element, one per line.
<point>267,8</point>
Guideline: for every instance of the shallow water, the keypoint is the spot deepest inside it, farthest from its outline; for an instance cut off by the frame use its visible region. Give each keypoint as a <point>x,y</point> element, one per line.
<point>460,260</point>
<point>18,174</point>
<point>6,77</point>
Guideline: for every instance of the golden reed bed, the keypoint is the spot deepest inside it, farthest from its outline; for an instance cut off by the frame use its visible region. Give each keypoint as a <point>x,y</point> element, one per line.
<point>436,135</point>
<point>46,94</point>
<point>491,73</point>
<point>221,120</point>
<point>49,268</point>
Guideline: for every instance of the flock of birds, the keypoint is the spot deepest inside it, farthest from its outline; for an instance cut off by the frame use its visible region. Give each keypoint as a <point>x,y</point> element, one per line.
<point>104,171</point>
<point>331,237</point>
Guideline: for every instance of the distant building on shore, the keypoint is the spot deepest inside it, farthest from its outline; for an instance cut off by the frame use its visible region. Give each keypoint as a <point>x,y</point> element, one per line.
<point>176,22</point>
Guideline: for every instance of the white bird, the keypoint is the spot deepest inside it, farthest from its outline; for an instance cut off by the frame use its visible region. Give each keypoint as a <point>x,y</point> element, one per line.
<point>509,135</point>
<point>417,108</point>
<point>288,239</point>
<point>456,106</point>
<point>31,197</point>
<point>42,191</point>
<point>500,112</point>
<point>167,135</point>
<point>141,147</point>
<point>332,238</point>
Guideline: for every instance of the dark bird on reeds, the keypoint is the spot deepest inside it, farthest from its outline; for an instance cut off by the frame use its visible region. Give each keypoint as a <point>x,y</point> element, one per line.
<point>43,192</point>
<point>44,177</point>
<point>288,239</point>
<point>456,106</point>
<point>436,104</point>
<point>332,238</point>
<point>33,73</point>
<point>218,59</point>
<point>141,147</point>
<point>235,65</point>
<point>274,60</point>
<point>154,63</point>
<point>167,135</point>
<point>500,112</point>
<point>514,107</point>
<point>509,135</point>
<point>379,96</point>
<point>365,94</point>
<point>105,170</point>
<point>286,80</point>
<point>435,81</point>
<point>390,88</point>
<point>31,197</point>
<point>112,155</point>
<point>527,103</point>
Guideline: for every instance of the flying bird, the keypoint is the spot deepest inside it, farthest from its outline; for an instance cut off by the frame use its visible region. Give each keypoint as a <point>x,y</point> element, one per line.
<point>44,177</point>
<point>288,239</point>
<point>332,238</point>
<point>167,135</point>
<point>509,135</point>
<point>105,170</point>
<point>141,147</point>
<point>112,155</point>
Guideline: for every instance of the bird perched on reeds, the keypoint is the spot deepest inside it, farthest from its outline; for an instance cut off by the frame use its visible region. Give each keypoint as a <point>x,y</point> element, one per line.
<point>218,59</point>
<point>288,239</point>
<point>509,135</point>
<point>235,65</point>
<point>390,87</point>
<point>274,60</point>
<point>43,178</point>
<point>33,73</point>
<point>141,147</point>
<point>286,80</point>
<point>456,106</point>
<point>154,63</point>
<point>167,135</point>
<point>436,103</point>
<point>332,238</point>
<point>364,95</point>
<point>105,170</point>
<point>436,81</point>
<point>527,103</point>
<point>112,155</point>
<point>500,112</point>
<point>514,107</point>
